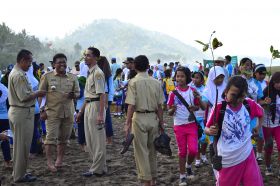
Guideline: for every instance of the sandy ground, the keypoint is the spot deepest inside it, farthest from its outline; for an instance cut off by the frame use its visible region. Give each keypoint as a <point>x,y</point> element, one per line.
<point>121,168</point>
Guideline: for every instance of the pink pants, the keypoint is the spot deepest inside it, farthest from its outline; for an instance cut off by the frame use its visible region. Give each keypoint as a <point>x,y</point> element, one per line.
<point>247,172</point>
<point>274,133</point>
<point>187,139</point>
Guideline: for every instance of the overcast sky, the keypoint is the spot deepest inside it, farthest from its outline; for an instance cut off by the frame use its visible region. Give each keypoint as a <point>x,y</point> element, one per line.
<point>245,27</point>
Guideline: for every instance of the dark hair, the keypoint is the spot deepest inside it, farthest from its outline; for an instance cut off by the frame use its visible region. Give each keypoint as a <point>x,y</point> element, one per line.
<point>41,64</point>
<point>187,73</point>
<point>150,71</point>
<point>118,71</point>
<point>167,73</point>
<point>228,57</point>
<point>200,73</point>
<point>104,65</point>
<point>23,54</point>
<point>239,82</point>
<point>165,64</point>
<point>94,51</point>
<point>271,92</point>
<point>59,55</point>
<point>244,60</point>
<point>130,59</point>
<point>141,63</point>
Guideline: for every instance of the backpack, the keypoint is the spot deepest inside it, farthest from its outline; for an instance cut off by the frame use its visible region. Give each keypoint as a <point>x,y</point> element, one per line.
<point>222,114</point>
<point>169,85</point>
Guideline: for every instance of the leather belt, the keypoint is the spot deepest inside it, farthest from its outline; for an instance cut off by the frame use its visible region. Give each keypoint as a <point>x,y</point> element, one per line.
<point>21,106</point>
<point>145,112</point>
<point>92,100</point>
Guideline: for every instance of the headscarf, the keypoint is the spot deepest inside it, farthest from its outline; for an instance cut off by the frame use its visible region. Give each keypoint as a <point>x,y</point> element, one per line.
<point>210,88</point>
<point>31,79</point>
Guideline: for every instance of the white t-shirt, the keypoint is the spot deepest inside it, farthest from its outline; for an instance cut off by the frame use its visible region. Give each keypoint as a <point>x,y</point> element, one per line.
<point>125,72</point>
<point>182,115</point>
<point>83,69</point>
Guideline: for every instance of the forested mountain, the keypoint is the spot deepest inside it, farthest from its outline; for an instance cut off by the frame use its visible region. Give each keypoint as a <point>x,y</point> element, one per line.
<point>117,39</point>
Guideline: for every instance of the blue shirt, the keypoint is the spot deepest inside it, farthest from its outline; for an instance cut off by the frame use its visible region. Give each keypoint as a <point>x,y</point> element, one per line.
<point>114,68</point>
<point>229,68</point>
<point>109,87</point>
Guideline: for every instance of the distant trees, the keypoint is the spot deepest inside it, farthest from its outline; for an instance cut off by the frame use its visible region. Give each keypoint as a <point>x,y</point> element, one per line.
<point>11,43</point>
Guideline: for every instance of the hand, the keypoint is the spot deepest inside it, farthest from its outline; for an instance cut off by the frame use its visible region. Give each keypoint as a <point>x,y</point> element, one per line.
<point>127,126</point>
<point>267,100</point>
<point>100,119</point>
<point>78,117</point>
<point>213,130</point>
<point>43,115</point>
<point>255,132</point>
<point>196,94</point>
<point>193,108</point>
<point>71,95</point>
<point>40,93</point>
<point>172,110</point>
<point>3,137</point>
<point>161,126</point>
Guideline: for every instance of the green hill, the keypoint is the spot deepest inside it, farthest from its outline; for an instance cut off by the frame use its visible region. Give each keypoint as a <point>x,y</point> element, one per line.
<point>117,39</point>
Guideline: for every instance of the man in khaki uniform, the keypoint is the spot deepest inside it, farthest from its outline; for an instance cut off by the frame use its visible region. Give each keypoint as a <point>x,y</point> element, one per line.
<point>144,98</point>
<point>21,115</point>
<point>94,114</point>
<point>62,88</point>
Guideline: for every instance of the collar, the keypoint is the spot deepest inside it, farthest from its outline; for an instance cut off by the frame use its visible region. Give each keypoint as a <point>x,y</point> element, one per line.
<point>92,68</point>
<point>56,74</point>
<point>142,74</point>
<point>19,69</point>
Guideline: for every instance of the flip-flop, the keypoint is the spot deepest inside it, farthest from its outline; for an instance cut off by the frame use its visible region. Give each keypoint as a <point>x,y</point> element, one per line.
<point>127,142</point>
<point>52,169</point>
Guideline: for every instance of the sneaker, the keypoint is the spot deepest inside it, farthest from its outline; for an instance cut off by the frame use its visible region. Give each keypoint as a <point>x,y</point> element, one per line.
<point>190,173</point>
<point>259,159</point>
<point>183,181</point>
<point>205,161</point>
<point>268,172</point>
<point>197,163</point>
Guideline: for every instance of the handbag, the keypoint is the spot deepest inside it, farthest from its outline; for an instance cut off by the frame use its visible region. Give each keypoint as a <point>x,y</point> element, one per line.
<point>162,144</point>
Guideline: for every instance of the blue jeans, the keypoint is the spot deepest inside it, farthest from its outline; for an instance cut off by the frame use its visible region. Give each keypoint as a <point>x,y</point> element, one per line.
<point>108,121</point>
<point>5,145</point>
<point>81,131</point>
<point>36,135</point>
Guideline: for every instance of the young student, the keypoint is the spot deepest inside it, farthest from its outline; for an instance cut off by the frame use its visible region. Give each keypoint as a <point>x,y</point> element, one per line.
<point>118,92</point>
<point>259,74</point>
<point>234,144</point>
<point>271,125</point>
<point>168,85</point>
<point>254,92</point>
<point>198,84</point>
<point>4,125</point>
<point>185,128</point>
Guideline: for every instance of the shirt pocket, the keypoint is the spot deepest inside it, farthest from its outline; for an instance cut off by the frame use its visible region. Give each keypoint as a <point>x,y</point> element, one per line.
<point>69,86</point>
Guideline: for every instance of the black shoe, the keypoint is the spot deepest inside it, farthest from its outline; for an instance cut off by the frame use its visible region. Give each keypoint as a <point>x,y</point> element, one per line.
<point>87,174</point>
<point>27,178</point>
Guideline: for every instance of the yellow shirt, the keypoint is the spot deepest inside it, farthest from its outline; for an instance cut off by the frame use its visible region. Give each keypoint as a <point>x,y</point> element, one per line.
<point>144,92</point>
<point>95,83</point>
<point>57,87</point>
<point>19,89</point>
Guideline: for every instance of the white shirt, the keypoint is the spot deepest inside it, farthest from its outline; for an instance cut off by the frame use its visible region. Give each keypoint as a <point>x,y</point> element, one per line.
<point>234,144</point>
<point>125,72</point>
<point>83,69</point>
<point>268,122</point>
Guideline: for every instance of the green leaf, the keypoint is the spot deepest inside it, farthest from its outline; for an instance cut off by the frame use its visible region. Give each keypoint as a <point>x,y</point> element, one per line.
<point>200,42</point>
<point>216,43</point>
<point>271,49</point>
<point>205,48</point>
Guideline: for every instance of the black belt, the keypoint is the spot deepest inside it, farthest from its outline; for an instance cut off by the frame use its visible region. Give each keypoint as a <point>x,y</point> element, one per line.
<point>21,106</point>
<point>92,100</point>
<point>145,112</point>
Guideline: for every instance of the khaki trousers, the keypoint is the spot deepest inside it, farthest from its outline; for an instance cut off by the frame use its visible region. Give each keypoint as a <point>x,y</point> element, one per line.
<point>95,139</point>
<point>145,130</point>
<point>22,125</point>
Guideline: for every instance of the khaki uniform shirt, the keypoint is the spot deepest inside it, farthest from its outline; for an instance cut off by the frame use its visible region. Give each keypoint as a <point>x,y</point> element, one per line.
<point>95,83</point>
<point>144,92</point>
<point>57,87</point>
<point>19,89</point>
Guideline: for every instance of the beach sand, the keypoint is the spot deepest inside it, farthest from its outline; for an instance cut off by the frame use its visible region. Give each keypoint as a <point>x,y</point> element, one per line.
<point>121,168</point>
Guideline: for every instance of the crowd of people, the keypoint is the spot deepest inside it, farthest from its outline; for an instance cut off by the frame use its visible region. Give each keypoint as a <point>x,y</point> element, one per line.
<point>238,109</point>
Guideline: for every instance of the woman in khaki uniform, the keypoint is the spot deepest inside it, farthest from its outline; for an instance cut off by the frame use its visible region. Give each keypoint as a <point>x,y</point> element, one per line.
<point>144,98</point>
